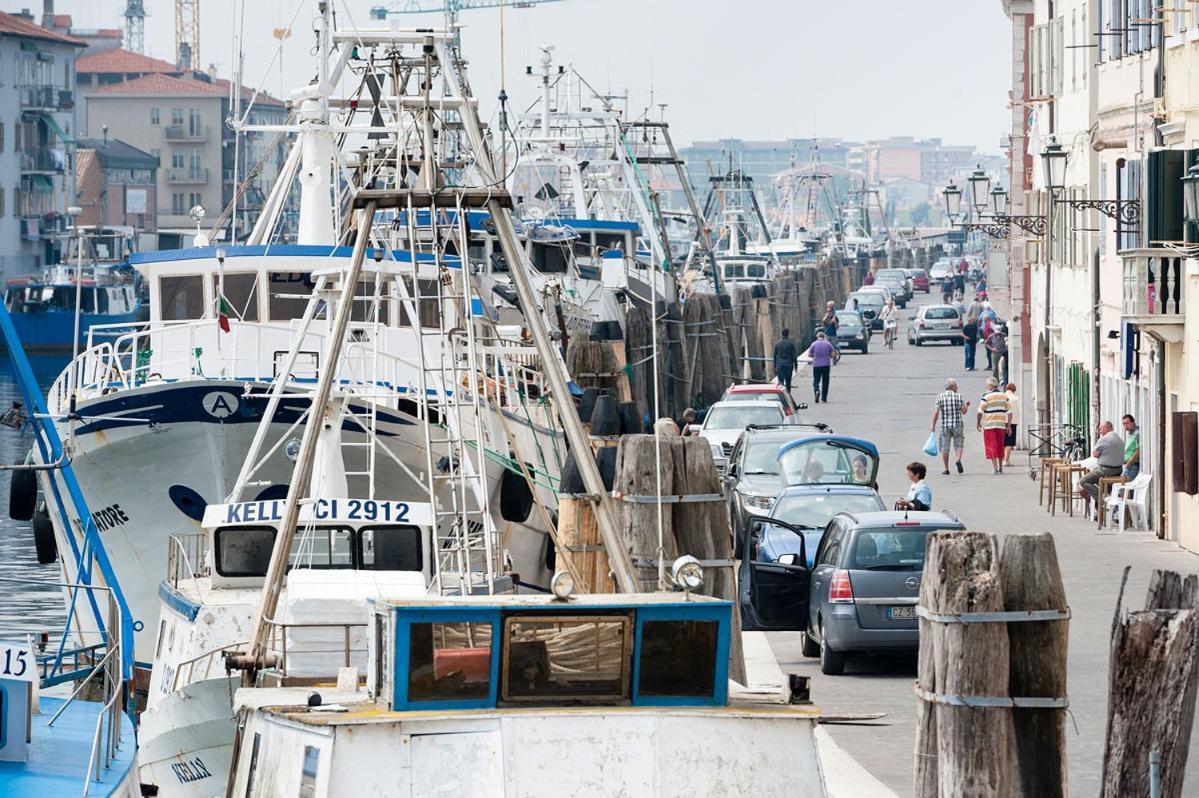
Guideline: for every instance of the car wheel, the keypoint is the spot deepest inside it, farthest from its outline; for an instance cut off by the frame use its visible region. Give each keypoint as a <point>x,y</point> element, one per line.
<point>832,663</point>
<point>919,342</point>
<point>865,348</point>
<point>807,646</point>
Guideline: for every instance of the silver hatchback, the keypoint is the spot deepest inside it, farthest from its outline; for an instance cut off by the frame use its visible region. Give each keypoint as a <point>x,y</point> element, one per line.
<point>935,323</point>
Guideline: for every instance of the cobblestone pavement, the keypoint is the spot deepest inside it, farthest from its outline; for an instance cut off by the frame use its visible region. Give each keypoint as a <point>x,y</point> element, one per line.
<point>886,396</point>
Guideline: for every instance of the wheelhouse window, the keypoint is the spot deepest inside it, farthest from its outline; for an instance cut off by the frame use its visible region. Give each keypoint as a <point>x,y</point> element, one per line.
<point>449,661</point>
<point>181,297</point>
<point>552,659</point>
<point>246,551</point>
<point>606,241</point>
<point>287,294</point>
<point>755,270</point>
<point>322,548</point>
<point>392,548</point>
<point>240,291</point>
<point>678,658</point>
<point>550,258</point>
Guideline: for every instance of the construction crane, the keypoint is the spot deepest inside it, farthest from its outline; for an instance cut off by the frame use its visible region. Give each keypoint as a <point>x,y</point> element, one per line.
<point>187,34</point>
<point>135,26</point>
<point>449,7</point>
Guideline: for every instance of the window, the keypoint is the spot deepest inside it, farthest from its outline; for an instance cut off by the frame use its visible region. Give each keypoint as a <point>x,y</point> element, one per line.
<point>181,297</point>
<point>1,203</point>
<point>154,120</point>
<point>287,294</point>
<point>241,294</point>
<point>176,116</point>
<point>549,258</point>
<point>193,121</point>
<point>678,658</point>
<point>1,135</point>
<point>578,658</point>
<point>162,635</point>
<point>312,759</point>
<point>177,207</point>
<point>195,161</point>
<point>815,510</point>
<point>176,160</point>
<point>391,548</point>
<point>449,661</point>
<point>832,547</point>
<point>194,199</point>
<point>888,550</point>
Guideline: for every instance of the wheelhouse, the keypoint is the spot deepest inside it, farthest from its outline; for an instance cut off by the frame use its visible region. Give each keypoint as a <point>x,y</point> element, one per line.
<point>537,651</point>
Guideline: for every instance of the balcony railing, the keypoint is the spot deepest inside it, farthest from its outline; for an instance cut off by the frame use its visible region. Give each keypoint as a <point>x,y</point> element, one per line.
<point>40,161</point>
<point>1154,283</point>
<point>46,97</point>
<point>186,133</point>
<point>187,176</point>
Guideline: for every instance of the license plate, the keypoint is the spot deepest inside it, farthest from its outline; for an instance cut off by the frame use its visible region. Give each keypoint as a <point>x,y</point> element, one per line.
<point>904,613</point>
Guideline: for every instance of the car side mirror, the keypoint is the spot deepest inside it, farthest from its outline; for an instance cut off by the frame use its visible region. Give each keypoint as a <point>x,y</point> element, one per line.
<point>789,559</point>
<point>691,429</point>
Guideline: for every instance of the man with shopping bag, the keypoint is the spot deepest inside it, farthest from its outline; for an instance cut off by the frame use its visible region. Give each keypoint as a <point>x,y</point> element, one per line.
<point>950,409</point>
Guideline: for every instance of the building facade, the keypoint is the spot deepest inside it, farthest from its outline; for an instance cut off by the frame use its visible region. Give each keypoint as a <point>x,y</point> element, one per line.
<point>116,186</point>
<point>37,128</point>
<point>181,121</point>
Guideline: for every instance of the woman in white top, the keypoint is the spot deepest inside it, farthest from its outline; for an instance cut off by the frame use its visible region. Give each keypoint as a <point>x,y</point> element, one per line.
<point>1009,438</point>
<point>890,319</point>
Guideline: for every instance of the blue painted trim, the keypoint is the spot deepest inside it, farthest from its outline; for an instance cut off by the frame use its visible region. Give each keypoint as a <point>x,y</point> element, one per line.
<point>859,443</point>
<point>178,602</point>
<point>277,251</point>
<point>404,621</point>
<point>721,614</point>
<point>50,447</point>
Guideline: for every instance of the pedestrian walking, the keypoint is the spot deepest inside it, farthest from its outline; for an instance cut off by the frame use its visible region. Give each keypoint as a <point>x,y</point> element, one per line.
<point>970,332</point>
<point>986,326</point>
<point>1132,448</point>
<point>994,417</point>
<point>996,343</point>
<point>786,354</point>
<point>868,279</point>
<point>890,317</point>
<point>1009,440</point>
<point>1109,451</point>
<point>822,356</point>
<point>920,495</point>
<point>950,409</point>
<point>959,284</point>
<point>829,323</point>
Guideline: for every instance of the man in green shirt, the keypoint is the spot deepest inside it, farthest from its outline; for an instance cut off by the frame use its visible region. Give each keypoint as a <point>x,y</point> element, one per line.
<point>1132,448</point>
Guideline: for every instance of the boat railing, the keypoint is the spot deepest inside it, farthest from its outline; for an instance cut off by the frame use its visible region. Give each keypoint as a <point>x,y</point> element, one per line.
<point>186,671</point>
<point>507,373</point>
<point>312,655</point>
<point>108,671</point>
<point>187,559</point>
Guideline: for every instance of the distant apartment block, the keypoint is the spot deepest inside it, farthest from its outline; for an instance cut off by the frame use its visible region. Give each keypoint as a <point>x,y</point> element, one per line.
<point>117,186</point>
<point>180,120</point>
<point>37,126</point>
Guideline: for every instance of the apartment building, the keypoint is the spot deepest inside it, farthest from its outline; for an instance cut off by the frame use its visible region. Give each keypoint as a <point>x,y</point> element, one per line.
<point>116,186</point>
<point>180,120</point>
<point>100,67</point>
<point>1099,297</point>
<point>37,100</point>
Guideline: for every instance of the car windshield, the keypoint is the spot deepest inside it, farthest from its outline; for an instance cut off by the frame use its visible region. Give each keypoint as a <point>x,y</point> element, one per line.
<point>888,550</point>
<point>742,417</point>
<point>817,509</point>
<point>753,396</point>
<point>940,313</point>
<point>896,274</point>
<point>849,319</point>
<point>867,300</point>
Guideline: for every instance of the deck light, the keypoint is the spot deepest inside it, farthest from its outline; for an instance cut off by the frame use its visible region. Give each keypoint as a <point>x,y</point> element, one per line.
<point>1053,159</point>
<point>953,202</point>
<point>687,573</point>
<point>562,585</point>
<point>1190,194</point>
<point>291,449</point>
<point>980,184</point>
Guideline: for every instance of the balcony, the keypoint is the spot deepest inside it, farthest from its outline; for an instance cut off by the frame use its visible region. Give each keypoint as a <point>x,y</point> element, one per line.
<point>40,161</point>
<point>1155,291</point>
<point>45,98</point>
<point>187,177</point>
<point>186,133</point>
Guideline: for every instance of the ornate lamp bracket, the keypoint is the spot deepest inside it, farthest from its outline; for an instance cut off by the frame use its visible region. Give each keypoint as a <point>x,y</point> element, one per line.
<point>1123,211</point>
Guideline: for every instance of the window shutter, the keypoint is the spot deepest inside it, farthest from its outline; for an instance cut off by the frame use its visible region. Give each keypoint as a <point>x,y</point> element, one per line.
<point>1184,434</point>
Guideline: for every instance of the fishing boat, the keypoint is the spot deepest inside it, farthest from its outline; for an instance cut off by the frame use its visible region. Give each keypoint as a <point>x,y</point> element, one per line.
<point>43,307</point>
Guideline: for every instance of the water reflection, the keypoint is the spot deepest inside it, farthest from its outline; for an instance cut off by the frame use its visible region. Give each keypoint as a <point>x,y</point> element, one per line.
<point>27,608</point>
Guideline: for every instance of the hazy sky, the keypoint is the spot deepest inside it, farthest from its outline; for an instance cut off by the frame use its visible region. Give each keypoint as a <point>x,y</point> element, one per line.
<point>754,69</point>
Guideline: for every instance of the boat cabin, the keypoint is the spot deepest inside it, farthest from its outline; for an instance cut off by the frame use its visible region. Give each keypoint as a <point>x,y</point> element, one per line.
<point>522,651</point>
<point>746,270</point>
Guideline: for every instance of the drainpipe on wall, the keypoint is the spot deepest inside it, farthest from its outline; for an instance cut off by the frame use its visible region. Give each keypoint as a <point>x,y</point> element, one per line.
<point>1096,318</point>
<point>1159,385</point>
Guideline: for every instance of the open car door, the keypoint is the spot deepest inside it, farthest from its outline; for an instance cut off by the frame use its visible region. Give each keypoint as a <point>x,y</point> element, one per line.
<point>774,595</point>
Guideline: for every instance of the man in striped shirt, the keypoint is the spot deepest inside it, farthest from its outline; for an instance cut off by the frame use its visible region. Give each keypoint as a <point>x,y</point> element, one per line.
<point>994,418</point>
<point>950,407</point>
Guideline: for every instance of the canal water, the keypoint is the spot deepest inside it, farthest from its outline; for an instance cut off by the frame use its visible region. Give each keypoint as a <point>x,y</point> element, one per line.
<point>25,608</point>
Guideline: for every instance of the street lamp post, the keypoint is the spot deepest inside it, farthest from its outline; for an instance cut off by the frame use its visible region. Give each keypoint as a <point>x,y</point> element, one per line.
<point>980,183</point>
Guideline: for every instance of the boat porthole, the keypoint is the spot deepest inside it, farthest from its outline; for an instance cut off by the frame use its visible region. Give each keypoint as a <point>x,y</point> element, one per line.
<point>189,502</point>
<point>138,626</point>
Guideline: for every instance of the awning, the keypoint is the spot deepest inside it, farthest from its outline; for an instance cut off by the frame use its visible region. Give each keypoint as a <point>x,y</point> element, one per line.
<point>52,123</point>
<point>41,183</point>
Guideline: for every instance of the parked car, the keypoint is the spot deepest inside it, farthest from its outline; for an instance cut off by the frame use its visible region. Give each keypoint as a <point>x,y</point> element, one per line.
<point>943,268</point>
<point>896,285</point>
<point>853,332</point>
<point>752,480</point>
<point>920,281</point>
<point>725,421</point>
<point>809,508</point>
<point>763,391</point>
<point>870,305</point>
<point>935,323</point>
<point>907,288</point>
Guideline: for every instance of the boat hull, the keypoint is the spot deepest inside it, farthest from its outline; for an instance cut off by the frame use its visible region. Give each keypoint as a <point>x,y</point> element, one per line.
<point>54,330</point>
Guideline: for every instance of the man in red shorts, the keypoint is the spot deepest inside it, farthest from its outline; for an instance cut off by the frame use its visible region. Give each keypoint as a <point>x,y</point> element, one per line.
<point>994,418</point>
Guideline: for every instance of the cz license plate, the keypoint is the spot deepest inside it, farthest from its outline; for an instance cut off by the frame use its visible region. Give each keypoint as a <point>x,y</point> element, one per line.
<point>904,613</point>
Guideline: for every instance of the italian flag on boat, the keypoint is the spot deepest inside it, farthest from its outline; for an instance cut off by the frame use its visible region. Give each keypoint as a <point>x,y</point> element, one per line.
<point>224,311</point>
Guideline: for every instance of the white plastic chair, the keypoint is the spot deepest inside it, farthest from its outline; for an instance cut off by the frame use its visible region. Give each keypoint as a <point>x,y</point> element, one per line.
<point>1132,496</point>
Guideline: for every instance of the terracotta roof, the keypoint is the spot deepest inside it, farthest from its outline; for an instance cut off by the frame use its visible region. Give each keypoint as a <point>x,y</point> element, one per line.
<point>13,25</point>
<point>159,85</point>
<point>120,61</point>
